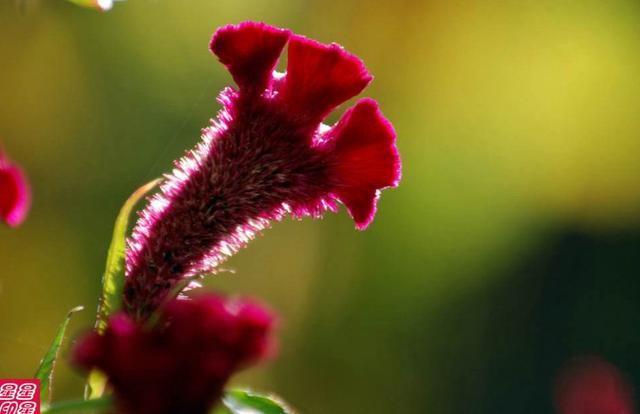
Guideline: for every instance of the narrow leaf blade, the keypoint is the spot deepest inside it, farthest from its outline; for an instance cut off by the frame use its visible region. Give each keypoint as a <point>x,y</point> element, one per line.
<point>244,402</point>
<point>48,362</point>
<point>113,278</point>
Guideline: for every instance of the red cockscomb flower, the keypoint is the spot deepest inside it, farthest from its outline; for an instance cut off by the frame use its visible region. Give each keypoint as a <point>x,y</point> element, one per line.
<point>181,363</point>
<point>593,386</point>
<point>266,155</point>
<point>15,197</point>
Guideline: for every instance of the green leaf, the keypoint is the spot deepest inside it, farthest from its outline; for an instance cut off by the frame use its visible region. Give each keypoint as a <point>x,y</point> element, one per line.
<point>48,362</point>
<point>113,280</point>
<point>96,384</point>
<point>248,402</point>
<point>87,406</point>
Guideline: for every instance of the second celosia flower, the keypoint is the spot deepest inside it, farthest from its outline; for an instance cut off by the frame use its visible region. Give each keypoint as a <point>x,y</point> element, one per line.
<point>266,155</point>
<point>180,363</point>
<point>15,197</point>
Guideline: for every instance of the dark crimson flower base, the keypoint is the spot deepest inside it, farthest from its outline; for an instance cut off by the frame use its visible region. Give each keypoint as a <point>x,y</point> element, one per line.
<point>181,363</point>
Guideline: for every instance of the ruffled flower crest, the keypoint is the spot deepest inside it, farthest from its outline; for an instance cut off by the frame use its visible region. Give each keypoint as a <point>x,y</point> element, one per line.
<point>265,156</point>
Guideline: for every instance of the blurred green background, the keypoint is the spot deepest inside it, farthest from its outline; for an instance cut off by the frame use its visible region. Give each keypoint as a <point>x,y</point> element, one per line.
<point>511,245</point>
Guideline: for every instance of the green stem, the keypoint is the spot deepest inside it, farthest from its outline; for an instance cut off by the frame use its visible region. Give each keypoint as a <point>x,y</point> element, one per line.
<point>73,405</point>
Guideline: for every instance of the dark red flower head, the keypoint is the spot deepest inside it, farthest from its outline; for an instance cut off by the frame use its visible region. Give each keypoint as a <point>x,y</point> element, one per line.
<point>593,386</point>
<point>15,198</point>
<point>266,155</point>
<point>181,363</point>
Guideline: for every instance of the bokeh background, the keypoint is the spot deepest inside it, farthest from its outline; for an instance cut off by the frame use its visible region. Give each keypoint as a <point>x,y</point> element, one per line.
<point>511,245</point>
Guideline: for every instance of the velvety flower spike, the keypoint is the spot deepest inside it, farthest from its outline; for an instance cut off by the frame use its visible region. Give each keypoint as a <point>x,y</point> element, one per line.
<point>266,155</point>
<point>181,363</point>
<point>15,197</point>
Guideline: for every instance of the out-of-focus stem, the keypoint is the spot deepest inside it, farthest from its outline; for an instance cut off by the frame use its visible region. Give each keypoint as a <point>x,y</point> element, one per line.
<point>75,405</point>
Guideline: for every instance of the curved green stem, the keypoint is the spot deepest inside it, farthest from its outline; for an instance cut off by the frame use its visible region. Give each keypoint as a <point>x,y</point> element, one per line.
<point>74,405</point>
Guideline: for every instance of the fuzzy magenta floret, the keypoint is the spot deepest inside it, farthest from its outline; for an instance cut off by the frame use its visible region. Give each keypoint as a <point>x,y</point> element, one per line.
<point>15,197</point>
<point>266,155</point>
<point>182,362</point>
